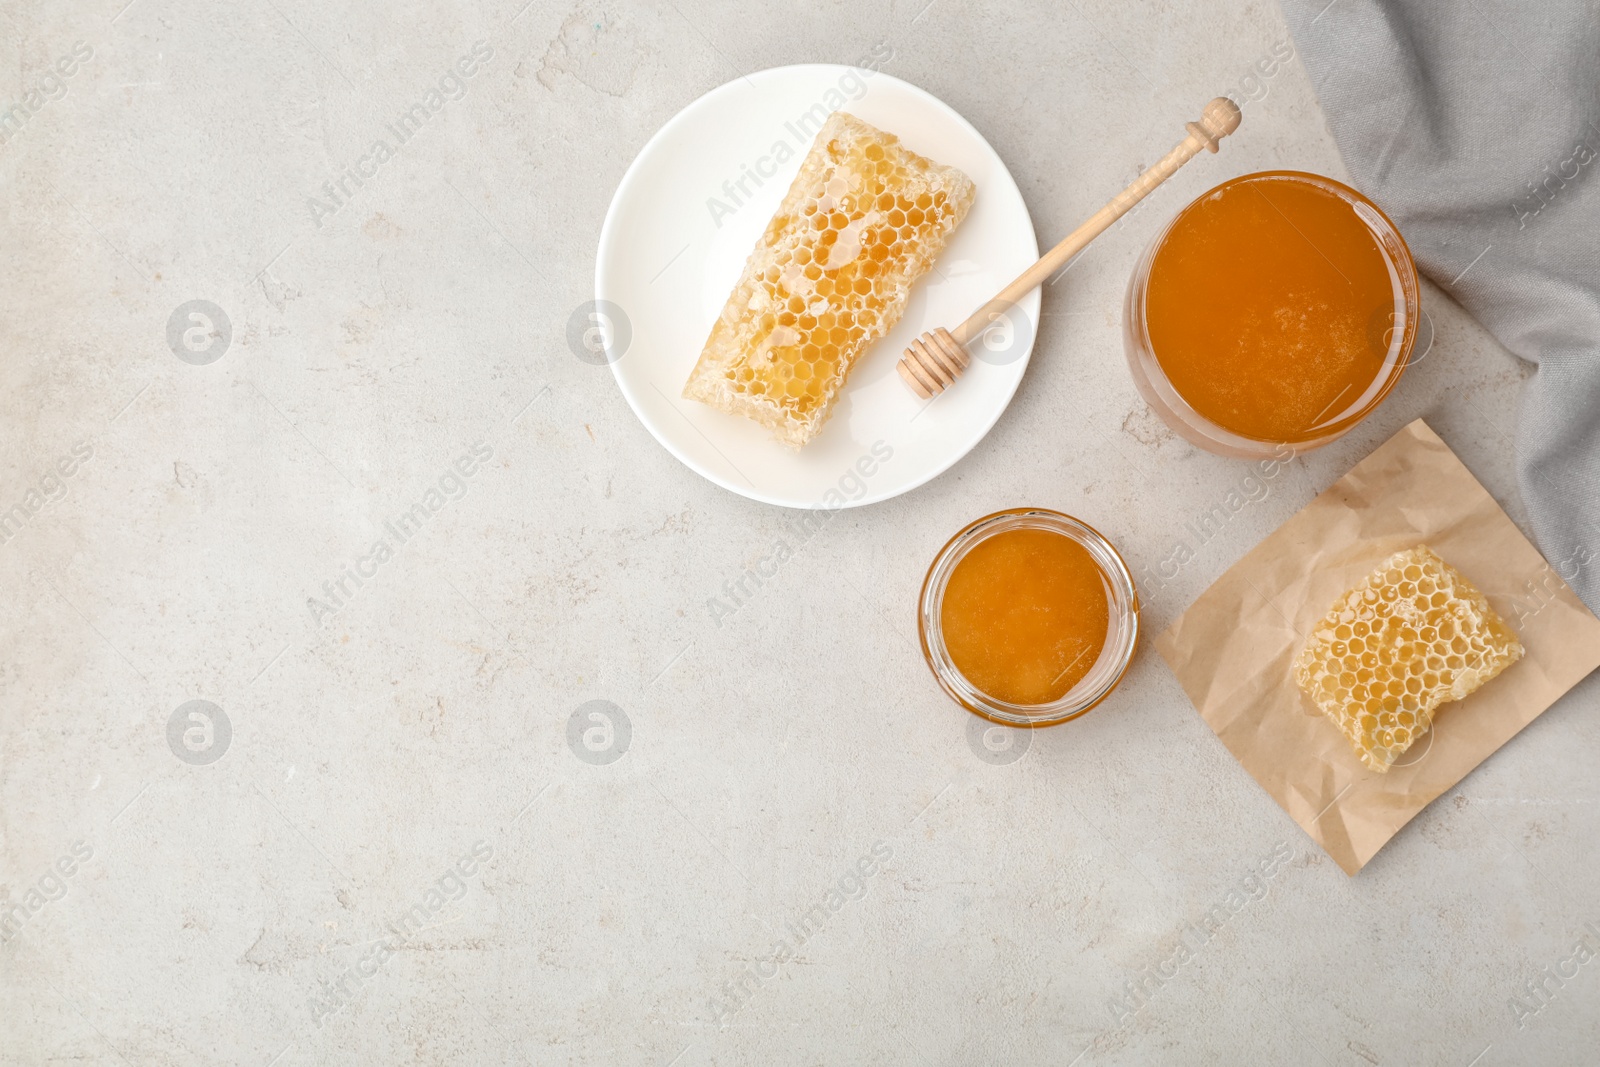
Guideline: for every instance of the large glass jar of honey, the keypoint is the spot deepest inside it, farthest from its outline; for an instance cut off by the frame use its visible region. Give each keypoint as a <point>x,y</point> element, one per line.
<point>1276,311</point>
<point>1028,617</point>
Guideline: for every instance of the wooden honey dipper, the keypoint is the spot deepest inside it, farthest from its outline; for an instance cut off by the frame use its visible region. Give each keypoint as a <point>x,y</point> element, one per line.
<point>936,359</point>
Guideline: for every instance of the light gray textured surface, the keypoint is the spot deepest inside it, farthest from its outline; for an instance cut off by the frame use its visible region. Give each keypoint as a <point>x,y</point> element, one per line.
<point>222,903</point>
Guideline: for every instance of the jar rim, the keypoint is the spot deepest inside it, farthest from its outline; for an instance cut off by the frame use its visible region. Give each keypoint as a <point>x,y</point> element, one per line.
<point>1109,668</point>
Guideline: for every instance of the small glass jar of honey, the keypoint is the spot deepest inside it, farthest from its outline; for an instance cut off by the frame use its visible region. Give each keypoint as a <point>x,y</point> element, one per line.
<point>1276,311</point>
<point>1028,617</point>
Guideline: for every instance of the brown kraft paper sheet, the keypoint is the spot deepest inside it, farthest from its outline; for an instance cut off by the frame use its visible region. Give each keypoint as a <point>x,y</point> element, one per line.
<point>1233,649</point>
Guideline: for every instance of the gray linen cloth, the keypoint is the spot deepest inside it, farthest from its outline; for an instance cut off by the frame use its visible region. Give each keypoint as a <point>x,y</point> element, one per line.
<point>1475,124</point>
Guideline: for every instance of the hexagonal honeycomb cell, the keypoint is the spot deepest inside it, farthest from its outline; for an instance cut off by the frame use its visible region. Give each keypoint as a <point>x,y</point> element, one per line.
<point>865,218</point>
<point>1413,635</point>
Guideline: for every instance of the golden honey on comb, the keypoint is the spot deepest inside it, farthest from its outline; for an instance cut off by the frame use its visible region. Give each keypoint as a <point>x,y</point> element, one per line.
<point>864,219</point>
<point>1413,635</point>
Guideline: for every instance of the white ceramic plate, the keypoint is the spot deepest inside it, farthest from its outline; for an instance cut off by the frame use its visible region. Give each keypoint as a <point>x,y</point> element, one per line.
<point>676,239</point>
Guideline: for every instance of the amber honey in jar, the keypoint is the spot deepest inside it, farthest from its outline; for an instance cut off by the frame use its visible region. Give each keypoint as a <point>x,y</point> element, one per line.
<point>1028,617</point>
<point>1277,309</point>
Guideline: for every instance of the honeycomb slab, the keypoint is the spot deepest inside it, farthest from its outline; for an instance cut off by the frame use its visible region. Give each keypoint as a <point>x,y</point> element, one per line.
<point>864,219</point>
<point>1413,635</point>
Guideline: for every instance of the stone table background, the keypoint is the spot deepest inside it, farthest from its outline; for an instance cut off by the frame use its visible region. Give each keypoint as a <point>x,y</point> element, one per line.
<point>626,912</point>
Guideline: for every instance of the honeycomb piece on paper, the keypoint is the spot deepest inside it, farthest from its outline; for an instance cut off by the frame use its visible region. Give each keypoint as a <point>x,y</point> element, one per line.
<point>864,219</point>
<point>1413,635</point>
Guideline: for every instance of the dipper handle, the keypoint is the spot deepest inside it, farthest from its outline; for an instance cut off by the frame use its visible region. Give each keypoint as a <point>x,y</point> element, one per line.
<point>937,358</point>
<point>1220,118</point>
